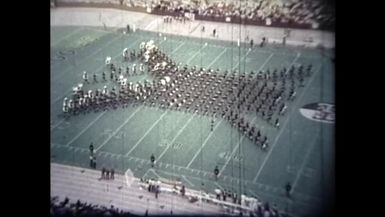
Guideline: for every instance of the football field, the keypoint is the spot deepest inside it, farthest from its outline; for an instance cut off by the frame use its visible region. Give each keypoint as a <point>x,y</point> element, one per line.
<point>301,151</point>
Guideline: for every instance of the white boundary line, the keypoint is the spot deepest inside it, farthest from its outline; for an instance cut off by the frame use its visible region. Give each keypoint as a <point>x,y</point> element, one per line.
<point>204,143</point>
<point>86,128</point>
<point>284,125</point>
<point>118,129</point>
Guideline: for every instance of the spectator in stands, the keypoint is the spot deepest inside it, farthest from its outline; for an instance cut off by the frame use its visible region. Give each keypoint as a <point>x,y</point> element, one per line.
<point>66,208</point>
<point>304,12</point>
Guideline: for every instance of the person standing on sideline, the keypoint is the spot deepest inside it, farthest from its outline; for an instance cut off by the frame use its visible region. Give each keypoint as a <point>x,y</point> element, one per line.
<point>94,162</point>
<point>216,172</point>
<point>92,149</point>
<point>152,160</point>
<point>112,173</point>
<point>288,189</point>
<point>103,172</point>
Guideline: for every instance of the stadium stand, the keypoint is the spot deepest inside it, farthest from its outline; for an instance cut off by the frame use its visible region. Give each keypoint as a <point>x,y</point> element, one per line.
<point>303,14</point>
<point>68,208</point>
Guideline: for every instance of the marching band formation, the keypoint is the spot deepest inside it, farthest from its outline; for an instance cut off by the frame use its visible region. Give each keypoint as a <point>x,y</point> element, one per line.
<point>215,93</point>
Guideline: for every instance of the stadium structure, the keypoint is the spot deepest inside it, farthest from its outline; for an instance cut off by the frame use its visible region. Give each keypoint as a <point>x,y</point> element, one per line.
<point>192,107</point>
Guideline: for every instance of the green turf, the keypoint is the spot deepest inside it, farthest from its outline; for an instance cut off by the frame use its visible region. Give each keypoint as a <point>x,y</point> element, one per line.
<point>301,149</point>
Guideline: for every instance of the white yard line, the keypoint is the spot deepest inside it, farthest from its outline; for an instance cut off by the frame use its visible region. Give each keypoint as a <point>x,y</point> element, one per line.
<point>67,36</point>
<point>117,130</point>
<point>266,61</point>
<point>188,181</point>
<point>193,56</point>
<point>176,136</point>
<point>178,47</point>
<point>204,143</point>
<point>295,59</point>
<point>305,160</point>
<point>57,124</point>
<point>218,185</point>
<point>216,58</point>
<point>86,128</point>
<point>247,53</point>
<point>145,134</point>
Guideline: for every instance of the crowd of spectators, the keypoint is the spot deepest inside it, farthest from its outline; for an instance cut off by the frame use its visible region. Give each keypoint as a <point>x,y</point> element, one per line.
<point>305,13</point>
<point>316,14</point>
<point>65,207</point>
